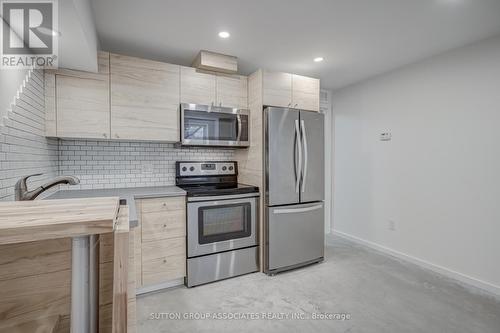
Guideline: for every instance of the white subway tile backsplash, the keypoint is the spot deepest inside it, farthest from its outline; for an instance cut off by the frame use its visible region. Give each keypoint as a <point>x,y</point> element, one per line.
<point>24,149</point>
<point>113,164</point>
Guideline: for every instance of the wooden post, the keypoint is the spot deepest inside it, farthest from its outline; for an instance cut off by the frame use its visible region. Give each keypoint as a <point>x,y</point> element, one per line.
<point>120,271</point>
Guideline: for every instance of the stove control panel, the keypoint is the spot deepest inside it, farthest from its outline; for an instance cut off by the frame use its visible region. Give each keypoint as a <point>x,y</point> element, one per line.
<point>186,169</point>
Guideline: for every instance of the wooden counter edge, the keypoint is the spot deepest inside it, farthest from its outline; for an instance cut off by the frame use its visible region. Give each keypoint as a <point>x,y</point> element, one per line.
<point>31,233</point>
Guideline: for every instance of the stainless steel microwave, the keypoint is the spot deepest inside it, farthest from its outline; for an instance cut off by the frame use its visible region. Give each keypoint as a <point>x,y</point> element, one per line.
<point>206,125</point>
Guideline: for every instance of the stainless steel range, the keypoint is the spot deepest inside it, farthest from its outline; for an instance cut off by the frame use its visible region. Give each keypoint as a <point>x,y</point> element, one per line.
<point>222,221</point>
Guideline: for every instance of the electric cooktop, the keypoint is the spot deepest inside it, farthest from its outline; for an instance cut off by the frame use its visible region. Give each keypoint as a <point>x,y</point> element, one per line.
<point>210,178</point>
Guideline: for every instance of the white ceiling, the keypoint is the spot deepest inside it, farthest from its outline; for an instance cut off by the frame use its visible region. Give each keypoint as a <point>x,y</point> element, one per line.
<point>78,42</point>
<point>357,38</point>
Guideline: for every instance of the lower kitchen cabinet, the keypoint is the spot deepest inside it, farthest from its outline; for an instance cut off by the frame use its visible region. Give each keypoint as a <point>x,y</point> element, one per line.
<point>163,260</point>
<point>157,226</point>
<point>162,248</point>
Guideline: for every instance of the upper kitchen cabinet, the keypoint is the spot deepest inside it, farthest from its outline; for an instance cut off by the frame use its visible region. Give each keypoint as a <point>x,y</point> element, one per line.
<point>277,88</point>
<point>213,89</point>
<point>81,108</point>
<point>144,99</point>
<point>305,93</point>
<point>232,91</point>
<point>290,90</point>
<point>197,87</point>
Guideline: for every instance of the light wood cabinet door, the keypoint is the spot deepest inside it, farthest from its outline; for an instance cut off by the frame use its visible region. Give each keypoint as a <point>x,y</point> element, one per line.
<point>163,218</point>
<point>232,91</point>
<point>305,93</point>
<point>163,239</point>
<point>82,102</point>
<point>163,261</point>
<point>144,99</point>
<point>277,89</point>
<point>160,225</point>
<point>197,87</point>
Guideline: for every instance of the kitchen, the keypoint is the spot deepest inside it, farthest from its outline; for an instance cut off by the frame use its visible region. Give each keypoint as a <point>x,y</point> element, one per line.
<point>215,180</point>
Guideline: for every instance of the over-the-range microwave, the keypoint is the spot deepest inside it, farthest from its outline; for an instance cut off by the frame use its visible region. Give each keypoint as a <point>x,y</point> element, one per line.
<point>207,125</point>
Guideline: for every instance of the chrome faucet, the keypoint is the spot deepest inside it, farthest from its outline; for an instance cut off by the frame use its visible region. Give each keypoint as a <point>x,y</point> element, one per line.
<point>21,189</point>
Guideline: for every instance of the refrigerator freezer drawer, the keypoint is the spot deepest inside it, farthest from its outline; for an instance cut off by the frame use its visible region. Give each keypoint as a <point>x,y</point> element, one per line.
<point>295,235</point>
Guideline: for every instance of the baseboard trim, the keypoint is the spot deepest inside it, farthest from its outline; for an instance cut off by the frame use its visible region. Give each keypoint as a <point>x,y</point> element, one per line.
<point>160,286</point>
<point>465,280</point>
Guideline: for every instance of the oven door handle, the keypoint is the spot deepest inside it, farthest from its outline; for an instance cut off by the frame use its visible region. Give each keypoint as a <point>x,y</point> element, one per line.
<point>238,137</point>
<point>223,198</point>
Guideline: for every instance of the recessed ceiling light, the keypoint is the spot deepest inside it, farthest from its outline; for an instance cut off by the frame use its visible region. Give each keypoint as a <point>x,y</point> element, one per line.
<point>224,34</point>
<point>318,59</point>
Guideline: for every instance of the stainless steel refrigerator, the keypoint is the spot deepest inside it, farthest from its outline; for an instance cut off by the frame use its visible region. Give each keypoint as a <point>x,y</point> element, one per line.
<point>294,188</point>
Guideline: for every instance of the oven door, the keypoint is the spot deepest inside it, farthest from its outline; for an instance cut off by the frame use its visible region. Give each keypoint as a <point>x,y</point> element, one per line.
<point>220,224</point>
<point>203,125</point>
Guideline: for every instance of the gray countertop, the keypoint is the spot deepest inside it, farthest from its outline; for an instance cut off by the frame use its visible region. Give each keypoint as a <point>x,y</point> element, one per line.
<point>129,194</point>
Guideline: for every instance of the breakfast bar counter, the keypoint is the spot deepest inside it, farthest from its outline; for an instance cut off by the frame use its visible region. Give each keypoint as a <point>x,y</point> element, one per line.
<point>26,221</point>
<point>64,264</point>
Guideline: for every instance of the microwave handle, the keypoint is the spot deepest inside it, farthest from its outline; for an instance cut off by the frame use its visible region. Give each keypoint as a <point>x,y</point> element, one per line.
<point>238,137</point>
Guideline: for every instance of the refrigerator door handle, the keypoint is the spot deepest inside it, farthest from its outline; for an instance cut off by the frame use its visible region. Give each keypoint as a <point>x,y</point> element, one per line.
<point>297,210</point>
<point>298,143</point>
<point>304,141</point>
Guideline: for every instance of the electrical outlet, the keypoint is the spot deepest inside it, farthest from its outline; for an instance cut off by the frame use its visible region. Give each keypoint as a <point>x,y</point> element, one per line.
<point>391,225</point>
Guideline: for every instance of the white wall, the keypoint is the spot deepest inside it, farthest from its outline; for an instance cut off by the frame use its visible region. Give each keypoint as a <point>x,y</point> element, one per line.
<point>325,106</point>
<point>78,43</point>
<point>439,177</point>
<point>10,81</point>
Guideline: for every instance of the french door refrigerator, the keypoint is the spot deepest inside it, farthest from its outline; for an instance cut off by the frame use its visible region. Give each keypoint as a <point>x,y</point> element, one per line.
<point>294,188</point>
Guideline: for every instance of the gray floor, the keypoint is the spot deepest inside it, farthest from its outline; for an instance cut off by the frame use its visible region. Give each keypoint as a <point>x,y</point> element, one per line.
<point>380,293</point>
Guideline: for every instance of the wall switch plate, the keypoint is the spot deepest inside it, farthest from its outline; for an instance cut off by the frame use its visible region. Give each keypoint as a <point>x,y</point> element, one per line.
<point>386,136</point>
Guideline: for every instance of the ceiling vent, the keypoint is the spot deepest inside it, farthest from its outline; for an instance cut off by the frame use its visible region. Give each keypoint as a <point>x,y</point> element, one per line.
<point>216,62</point>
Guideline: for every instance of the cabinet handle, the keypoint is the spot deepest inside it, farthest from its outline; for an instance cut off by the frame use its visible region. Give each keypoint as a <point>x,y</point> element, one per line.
<point>295,105</point>
<point>117,136</point>
<point>220,104</point>
<point>164,261</point>
<point>104,135</point>
<point>164,204</point>
<point>164,226</point>
<point>289,104</point>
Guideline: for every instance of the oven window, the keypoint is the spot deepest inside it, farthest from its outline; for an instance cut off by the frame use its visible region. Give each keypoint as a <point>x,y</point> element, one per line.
<point>224,222</point>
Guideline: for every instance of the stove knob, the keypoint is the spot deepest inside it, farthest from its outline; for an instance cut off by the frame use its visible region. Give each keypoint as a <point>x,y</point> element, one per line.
<point>224,168</point>
<point>184,169</point>
<point>191,168</point>
<point>231,168</point>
